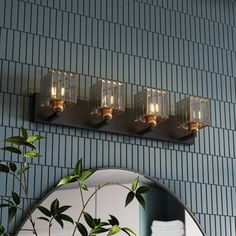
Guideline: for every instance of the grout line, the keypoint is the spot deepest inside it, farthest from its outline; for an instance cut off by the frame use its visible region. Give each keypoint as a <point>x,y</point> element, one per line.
<point>123,53</point>
<point>151,5</point>
<point>133,27</point>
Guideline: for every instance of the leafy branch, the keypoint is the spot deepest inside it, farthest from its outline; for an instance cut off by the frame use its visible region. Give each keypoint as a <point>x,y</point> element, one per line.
<point>24,146</point>
<point>20,145</point>
<point>96,225</point>
<point>55,213</point>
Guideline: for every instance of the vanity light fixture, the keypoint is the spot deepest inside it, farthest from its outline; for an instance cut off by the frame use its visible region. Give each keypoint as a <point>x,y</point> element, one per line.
<point>151,106</point>
<point>59,90</point>
<point>193,113</point>
<point>58,103</point>
<point>107,98</point>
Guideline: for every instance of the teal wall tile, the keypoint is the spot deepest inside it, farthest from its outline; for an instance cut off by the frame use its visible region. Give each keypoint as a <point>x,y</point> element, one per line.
<point>186,47</point>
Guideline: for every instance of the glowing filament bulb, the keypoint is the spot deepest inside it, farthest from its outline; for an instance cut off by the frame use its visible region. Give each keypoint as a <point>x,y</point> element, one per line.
<point>152,110</point>
<point>157,108</point>
<point>53,92</point>
<point>112,100</point>
<point>199,115</point>
<point>62,91</point>
<point>105,101</point>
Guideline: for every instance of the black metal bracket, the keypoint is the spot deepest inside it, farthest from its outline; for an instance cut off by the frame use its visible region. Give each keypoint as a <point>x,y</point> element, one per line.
<point>101,124</point>
<point>146,130</point>
<point>78,116</point>
<point>188,136</point>
<point>53,116</point>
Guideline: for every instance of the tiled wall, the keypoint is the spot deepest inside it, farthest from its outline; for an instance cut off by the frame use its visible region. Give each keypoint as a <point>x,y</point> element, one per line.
<point>185,46</point>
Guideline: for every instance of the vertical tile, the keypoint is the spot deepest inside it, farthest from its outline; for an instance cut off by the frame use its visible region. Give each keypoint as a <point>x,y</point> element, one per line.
<point>185,47</point>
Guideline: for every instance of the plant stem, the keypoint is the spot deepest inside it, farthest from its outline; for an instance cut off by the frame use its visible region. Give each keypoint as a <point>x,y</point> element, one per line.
<point>25,188</point>
<point>49,227</point>
<point>82,197</point>
<point>27,230</point>
<point>93,194</point>
<point>15,176</point>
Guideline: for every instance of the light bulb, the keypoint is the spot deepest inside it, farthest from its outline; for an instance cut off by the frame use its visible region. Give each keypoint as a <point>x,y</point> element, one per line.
<point>152,110</point>
<point>112,100</point>
<point>199,115</point>
<point>54,92</point>
<point>62,91</point>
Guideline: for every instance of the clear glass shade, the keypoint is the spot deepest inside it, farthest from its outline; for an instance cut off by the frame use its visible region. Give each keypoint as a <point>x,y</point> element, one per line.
<point>59,90</point>
<point>107,98</point>
<point>193,113</point>
<point>151,106</point>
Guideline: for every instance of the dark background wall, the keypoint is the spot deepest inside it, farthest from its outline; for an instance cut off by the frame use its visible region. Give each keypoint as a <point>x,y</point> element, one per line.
<point>185,46</point>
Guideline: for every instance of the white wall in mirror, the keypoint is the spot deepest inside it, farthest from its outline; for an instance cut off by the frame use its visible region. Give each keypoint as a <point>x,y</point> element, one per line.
<point>190,226</point>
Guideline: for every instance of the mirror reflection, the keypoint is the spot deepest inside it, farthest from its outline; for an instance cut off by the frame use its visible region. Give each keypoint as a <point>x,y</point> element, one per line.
<point>164,215</point>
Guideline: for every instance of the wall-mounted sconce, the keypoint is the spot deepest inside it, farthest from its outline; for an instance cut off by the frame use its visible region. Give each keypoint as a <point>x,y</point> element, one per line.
<point>59,90</point>
<point>107,98</point>
<point>106,109</point>
<point>151,106</point>
<point>193,113</point>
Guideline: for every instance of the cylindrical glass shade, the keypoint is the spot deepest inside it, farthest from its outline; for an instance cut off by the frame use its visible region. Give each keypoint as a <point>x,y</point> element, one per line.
<point>58,91</point>
<point>151,106</point>
<point>193,113</point>
<point>107,98</point>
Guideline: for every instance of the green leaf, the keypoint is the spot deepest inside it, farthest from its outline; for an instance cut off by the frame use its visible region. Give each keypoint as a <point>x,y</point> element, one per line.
<point>45,211</point>
<point>89,220</point>
<point>2,229</point>
<point>54,207</point>
<point>59,221</point>
<point>83,186</point>
<point>4,168</point>
<point>64,180</point>
<point>22,170</point>
<point>78,168</point>
<point>32,154</point>
<point>135,183</point>
<point>104,224</point>
<point>129,198</point>
<point>43,218</point>
<point>142,190</point>
<point>141,200</point>
<point>98,231</point>
<point>33,138</point>
<point>86,174</point>
<point>74,178</point>
<point>11,213</point>
<point>128,231</point>
<point>62,209</point>
<point>113,220</point>
<point>66,218</point>
<point>10,202</point>
<point>5,205</point>
<point>114,230</point>
<point>97,221</point>
<point>24,133</point>
<point>29,145</point>
<point>12,149</point>
<point>18,140</point>
<point>16,198</point>
<point>82,229</point>
<point>13,167</point>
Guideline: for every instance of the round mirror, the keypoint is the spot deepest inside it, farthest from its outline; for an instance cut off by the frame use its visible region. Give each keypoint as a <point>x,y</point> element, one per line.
<point>164,214</point>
